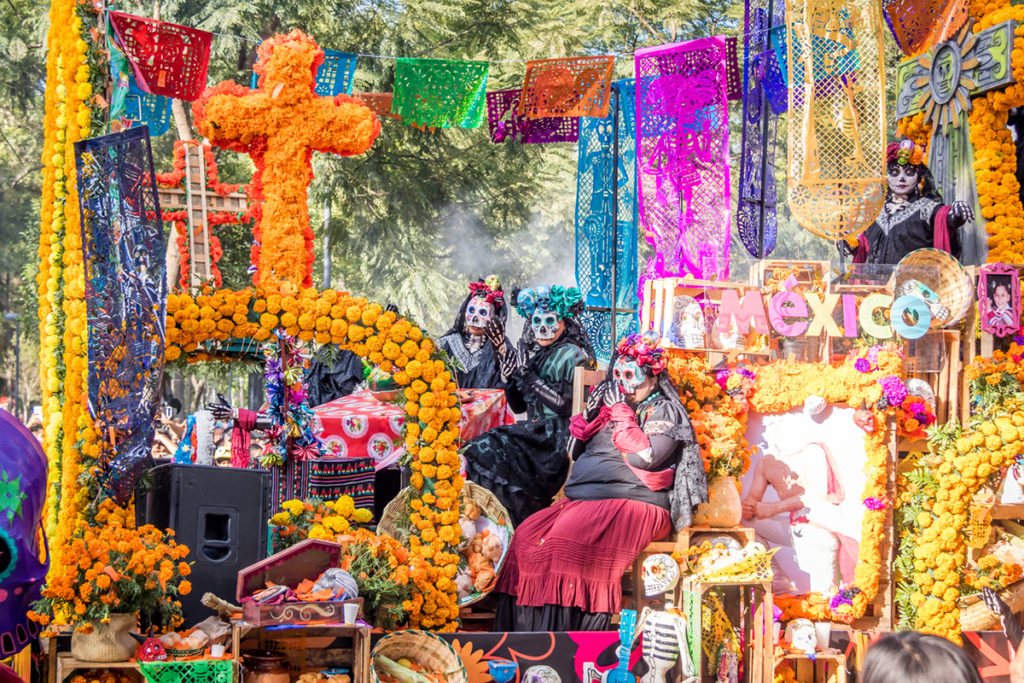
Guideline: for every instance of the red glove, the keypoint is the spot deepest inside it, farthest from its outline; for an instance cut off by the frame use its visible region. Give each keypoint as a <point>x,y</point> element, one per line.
<point>626,433</point>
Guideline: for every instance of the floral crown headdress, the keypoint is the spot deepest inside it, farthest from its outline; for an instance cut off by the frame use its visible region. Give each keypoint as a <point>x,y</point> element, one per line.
<point>563,301</point>
<point>905,152</point>
<point>489,289</point>
<point>644,349</point>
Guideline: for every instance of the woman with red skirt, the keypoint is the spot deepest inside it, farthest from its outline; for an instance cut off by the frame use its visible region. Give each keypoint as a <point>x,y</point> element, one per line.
<point>637,473</point>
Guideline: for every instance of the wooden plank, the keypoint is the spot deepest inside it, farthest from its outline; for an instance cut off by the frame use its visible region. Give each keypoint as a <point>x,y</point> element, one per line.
<point>1008,511</point>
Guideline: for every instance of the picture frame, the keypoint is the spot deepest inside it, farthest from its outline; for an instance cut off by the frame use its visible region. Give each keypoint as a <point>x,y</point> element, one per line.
<point>999,281</point>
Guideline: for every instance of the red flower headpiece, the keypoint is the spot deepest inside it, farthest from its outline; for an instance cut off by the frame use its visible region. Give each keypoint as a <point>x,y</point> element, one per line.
<point>643,348</point>
<point>905,152</point>
<point>489,290</point>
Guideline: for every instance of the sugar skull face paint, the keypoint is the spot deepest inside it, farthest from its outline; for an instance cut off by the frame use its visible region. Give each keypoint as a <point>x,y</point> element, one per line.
<point>628,375</point>
<point>545,325</point>
<point>479,313</point>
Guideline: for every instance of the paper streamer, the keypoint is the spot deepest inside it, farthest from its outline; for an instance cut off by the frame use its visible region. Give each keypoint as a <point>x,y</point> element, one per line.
<point>440,93</point>
<point>507,125</point>
<point>167,59</point>
<point>836,122</point>
<point>567,86</point>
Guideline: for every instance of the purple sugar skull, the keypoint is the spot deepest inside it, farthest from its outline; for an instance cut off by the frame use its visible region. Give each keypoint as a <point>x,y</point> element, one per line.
<point>22,492</point>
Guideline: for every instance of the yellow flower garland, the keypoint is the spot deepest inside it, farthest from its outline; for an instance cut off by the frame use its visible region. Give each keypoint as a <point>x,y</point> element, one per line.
<point>966,459</point>
<point>67,427</point>
<point>394,344</point>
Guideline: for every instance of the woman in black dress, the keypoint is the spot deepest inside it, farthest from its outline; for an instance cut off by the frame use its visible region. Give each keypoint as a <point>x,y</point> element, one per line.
<point>524,464</point>
<point>913,216</point>
<point>469,341</point>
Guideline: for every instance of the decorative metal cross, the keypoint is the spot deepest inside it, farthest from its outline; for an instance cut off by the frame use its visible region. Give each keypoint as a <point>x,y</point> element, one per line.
<point>941,83</point>
<point>197,201</point>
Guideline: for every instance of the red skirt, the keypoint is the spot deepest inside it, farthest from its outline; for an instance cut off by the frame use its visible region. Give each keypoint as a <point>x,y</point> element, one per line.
<point>574,553</point>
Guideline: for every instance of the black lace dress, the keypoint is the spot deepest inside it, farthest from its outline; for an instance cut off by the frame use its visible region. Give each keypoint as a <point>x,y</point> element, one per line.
<point>525,464</point>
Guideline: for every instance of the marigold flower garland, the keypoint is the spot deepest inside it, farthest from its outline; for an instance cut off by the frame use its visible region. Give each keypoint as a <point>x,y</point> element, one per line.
<point>68,438</point>
<point>395,345</point>
<point>933,551</point>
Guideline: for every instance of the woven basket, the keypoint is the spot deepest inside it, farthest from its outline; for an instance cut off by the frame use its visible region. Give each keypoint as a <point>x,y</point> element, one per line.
<point>489,504</point>
<point>944,275</point>
<point>427,650</point>
<point>978,617</point>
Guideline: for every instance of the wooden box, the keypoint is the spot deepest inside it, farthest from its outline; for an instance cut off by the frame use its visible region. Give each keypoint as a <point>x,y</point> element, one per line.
<point>306,560</point>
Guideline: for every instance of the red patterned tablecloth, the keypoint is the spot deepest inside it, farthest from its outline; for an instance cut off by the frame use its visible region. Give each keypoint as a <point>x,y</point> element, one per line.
<point>360,426</point>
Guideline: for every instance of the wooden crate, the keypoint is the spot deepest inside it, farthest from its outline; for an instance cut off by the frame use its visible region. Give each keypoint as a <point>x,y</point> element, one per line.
<point>807,273</point>
<point>749,605</point>
<point>303,645</point>
<point>657,310</point>
<point>825,667</point>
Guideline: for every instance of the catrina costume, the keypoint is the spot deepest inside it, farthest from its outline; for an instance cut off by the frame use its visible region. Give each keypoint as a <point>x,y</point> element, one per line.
<point>476,354</point>
<point>637,473</point>
<point>524,464</point>
<point>918,221</point>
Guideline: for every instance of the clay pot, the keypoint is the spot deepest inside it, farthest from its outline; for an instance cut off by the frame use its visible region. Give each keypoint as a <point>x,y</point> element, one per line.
<point>111,642</point>
<point>723,508</point>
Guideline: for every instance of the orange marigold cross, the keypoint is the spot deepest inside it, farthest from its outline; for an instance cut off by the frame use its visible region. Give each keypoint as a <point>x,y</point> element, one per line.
<point>279,125</point>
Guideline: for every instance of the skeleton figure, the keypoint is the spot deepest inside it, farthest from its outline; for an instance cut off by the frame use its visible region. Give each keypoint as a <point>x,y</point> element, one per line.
<point>663,633</point>
<point>23,562</point>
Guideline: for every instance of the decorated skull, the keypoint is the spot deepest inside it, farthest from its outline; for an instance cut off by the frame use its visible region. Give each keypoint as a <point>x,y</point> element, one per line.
<point>687,323</point>
<point>152,650</point>
<point>660,574</point>
<point>479,312</point>
<point>544,324</point>
<point>541,673</point>
<point>23,557</point>
<point>801,635</point>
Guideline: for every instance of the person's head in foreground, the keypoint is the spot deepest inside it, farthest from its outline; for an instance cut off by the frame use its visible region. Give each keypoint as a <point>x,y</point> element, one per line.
<point>911,657</point>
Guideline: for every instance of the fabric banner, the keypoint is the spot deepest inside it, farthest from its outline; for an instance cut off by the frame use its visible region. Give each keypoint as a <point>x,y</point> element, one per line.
<point>126,295</point>
<point>440,93</point>
<point>167,59</point>
<point>756,219</point>
<point>334,77</point>
<point>682,131</point>
<point>920,25</point>
<point>506,124</point>
<point>836,174</point>
<point>569,86</point>
<point>595,205</point>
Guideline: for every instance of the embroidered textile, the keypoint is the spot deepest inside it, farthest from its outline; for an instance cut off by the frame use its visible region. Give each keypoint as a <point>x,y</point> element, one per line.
<point>683,149</point>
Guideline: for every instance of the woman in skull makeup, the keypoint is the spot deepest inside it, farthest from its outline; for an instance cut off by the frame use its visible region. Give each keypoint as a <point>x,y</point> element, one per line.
<point>476,336</point>
<point>913,216</point>
<point>637,473</point>
<point>524,464</point>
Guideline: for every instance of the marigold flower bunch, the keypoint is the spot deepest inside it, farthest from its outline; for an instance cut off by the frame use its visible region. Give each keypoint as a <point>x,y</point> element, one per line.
<point>315,518</point>
<point>114,568</point>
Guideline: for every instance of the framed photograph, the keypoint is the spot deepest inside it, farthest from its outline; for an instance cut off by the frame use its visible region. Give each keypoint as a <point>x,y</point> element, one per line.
<point>999,299</point>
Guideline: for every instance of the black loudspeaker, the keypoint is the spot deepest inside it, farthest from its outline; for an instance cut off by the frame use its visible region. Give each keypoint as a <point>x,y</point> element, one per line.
<point>220,513</point>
